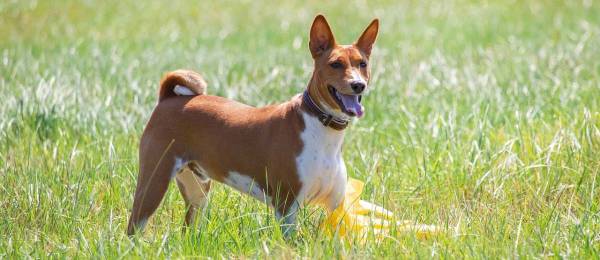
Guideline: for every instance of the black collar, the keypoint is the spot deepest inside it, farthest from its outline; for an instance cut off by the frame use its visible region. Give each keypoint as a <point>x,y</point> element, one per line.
<point>326,119</point>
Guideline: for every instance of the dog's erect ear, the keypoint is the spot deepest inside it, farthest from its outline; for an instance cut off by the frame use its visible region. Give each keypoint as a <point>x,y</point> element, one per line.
<point>321,37</point>
<point>368,37</point>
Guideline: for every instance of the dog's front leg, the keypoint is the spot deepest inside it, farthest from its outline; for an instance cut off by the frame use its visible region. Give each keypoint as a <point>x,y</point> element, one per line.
<point>286,216</point>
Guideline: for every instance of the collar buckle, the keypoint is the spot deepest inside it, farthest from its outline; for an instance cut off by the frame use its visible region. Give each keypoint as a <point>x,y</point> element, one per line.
<point>325,119</point>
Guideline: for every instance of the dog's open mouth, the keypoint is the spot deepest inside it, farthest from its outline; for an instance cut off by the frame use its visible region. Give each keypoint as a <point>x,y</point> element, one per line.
<point>350,104</point>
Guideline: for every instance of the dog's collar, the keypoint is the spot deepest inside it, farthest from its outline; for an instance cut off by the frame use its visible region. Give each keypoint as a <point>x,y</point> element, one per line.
<point>326,119</point>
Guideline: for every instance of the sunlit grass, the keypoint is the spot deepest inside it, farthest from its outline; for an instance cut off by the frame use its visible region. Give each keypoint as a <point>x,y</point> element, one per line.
<point>484,119</point>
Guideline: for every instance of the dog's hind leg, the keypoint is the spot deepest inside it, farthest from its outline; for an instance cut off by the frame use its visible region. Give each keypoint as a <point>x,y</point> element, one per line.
<point>156,172</point>
<point>194,186</point>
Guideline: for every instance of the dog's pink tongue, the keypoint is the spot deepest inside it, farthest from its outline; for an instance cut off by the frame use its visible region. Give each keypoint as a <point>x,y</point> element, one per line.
<point>352,105</point>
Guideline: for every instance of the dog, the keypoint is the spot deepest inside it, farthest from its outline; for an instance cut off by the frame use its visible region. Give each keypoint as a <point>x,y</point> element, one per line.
<point>286,155</point>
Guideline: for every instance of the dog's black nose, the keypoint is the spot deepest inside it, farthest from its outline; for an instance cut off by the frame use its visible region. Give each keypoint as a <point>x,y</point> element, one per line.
<point>357,86</point>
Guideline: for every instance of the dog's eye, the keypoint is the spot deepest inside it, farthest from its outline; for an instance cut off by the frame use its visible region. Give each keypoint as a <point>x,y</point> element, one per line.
<point>362,64</point>
<point>336,65</point>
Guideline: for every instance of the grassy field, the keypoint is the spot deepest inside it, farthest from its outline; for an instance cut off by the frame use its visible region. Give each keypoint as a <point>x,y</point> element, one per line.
<point>484,119</point>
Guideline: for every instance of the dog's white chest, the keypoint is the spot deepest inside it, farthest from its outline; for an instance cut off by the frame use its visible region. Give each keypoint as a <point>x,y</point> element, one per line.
<point>320,165</point>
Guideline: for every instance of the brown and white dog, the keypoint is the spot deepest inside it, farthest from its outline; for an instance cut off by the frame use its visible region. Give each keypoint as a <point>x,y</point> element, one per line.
<point>285,155</point>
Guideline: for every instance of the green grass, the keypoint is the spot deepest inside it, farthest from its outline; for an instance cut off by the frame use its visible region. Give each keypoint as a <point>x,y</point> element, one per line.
<point>484,119</point>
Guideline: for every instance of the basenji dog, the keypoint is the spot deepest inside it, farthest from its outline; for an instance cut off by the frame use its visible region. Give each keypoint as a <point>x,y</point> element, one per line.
<point>285,155</point>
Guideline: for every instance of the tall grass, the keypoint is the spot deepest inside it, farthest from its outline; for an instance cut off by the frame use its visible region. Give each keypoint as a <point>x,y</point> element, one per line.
<point>484,119</point>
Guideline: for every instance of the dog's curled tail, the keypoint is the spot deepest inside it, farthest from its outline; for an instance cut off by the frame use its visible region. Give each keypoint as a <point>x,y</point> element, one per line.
<point>181,83</point>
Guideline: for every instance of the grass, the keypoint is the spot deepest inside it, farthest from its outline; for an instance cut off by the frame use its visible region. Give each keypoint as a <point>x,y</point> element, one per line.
<point>484,120</point>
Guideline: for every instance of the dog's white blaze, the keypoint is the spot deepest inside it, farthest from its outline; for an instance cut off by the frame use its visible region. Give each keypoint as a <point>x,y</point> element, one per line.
<point>183,91</point>
<point>320,165</point>
<point>247,185</point>
<point>357,77</point>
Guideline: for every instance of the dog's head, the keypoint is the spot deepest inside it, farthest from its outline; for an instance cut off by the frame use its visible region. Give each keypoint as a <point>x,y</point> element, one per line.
<point>341,71</point>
